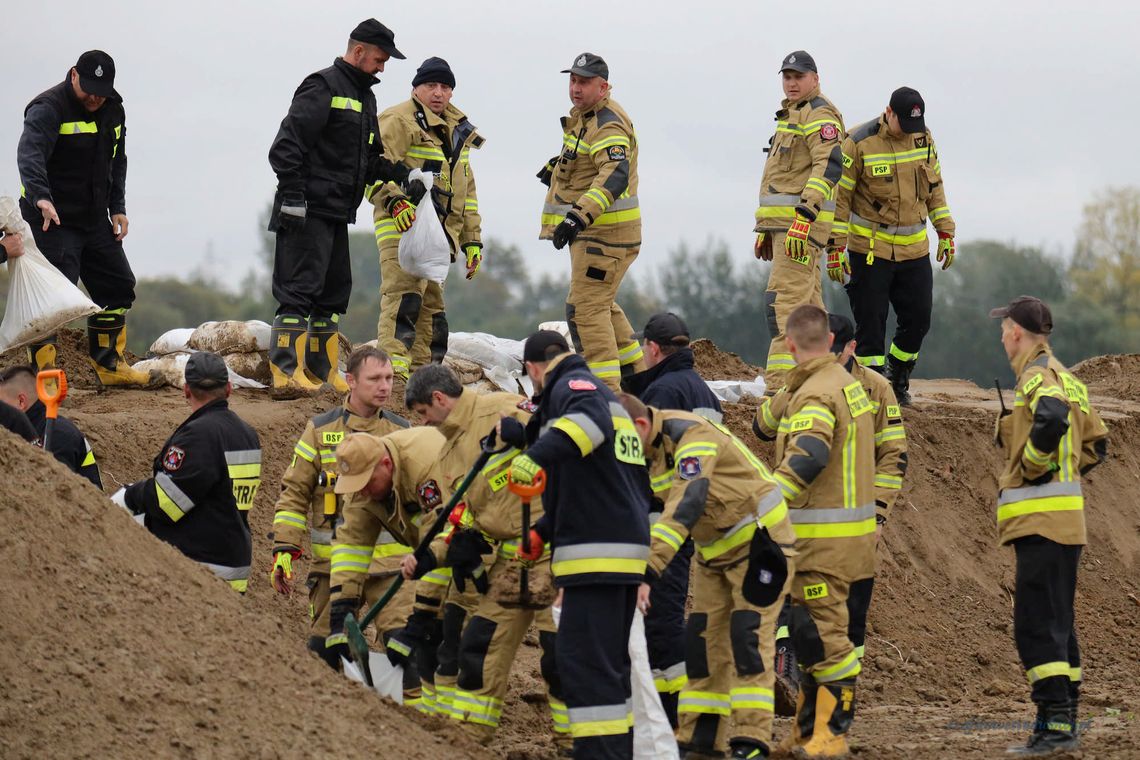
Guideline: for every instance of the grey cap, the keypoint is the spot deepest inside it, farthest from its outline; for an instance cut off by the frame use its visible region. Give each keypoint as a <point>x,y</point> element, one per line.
<point>589,65</point>
<point>798,60</point>
<point>206,370</point>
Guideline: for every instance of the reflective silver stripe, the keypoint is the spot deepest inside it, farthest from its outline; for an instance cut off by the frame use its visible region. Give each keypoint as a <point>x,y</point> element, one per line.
<point>248,456</point>
<point>176,494</point>
<point>320,536</point>
<point>386,538</point>
<point>601,550</point>
<point>744,523</point>
<point>1013,495</point>
<point>673,671</point>
<point>228,573</point>
<point>835,515</point>
<point>896,229</point>
<point>655,516</point>
<point>709,414</point>
<point>600,712</point>
<point>592,431</point>
<point>786,199</point>
<point>770,501</point>
<point>561,209</point>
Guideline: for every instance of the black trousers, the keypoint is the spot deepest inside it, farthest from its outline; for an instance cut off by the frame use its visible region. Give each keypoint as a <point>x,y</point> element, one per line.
<point>665,623</point>
<point>593,662</point>
<point>1043,617</point>
<point>858,604</point>
<point>905,285</point>
<point>312,272</point>
<point>91,255</point>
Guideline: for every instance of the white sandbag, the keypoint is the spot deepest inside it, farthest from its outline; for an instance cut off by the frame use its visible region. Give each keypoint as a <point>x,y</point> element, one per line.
<point>176,341</point>
<point>562,328</point>
<point>253,365</point>
<point>387,679</point>
<point>172,369</point>
<point>40,299</point>
<point>500,358</point>
<point>424,251</point>
<point>231,337</point>
<point>733,391</point>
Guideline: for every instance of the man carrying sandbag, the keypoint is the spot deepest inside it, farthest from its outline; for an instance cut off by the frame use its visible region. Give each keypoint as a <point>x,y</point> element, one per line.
<point>72,159</point>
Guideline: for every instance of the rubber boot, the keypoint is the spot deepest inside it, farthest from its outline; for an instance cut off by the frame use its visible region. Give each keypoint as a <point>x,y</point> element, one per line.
<point>42,353</point>
<point>898,372</point>
<point>1052,732</point>
<point>286,359</point>
<point>106,342</point>
<point>746,748</point>
<point>322,356</point>
<point>834,712</point>
<point>803,727</point>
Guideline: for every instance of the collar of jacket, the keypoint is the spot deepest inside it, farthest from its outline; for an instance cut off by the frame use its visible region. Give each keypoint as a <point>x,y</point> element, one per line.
<point>217,404</point>
<point>1022,360</point>
<point>786,104</point>
<point>364,81</point>
<point>656,437</point>
<point>37,414</point>
<point>802,372</point>
<point>459,415</point>
<point>678,361</point>
<point>577,113</point>
<point>352,420</point>
<point>559,365</point>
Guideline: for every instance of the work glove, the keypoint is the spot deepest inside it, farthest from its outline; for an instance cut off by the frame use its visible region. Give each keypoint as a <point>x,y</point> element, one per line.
<point>568,230</point>
<point>414,190</point>
<point>945,249</point>
<point>537,547</point>
<point>336,643</point>
<point>838,267</point>
<point>292,212</point>
<point>546,173</point>
<point>465,555</point>
<point>425,564</point>
<point>474,254</point>
<point>403,213</point>
<point>796,241</point>
<point>512,432</point>
<point>403,643</point>
<point>281,575</point>
<point>524,470</point>
<point>763,247</point>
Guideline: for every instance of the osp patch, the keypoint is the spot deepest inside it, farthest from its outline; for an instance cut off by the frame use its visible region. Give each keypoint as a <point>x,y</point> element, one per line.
<point>173,458</point>
<point>430,495</point>
<point>689,467</point>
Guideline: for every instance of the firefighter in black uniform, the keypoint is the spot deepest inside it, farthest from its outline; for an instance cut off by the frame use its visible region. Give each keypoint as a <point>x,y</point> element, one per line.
<point>325,153</point>
<point>206,472</point>
<point>18,388</point>
<point>72,159</point>
<point>596,518</point>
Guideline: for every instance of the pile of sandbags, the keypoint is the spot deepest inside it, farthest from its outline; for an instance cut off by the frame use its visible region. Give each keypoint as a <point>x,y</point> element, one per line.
<point>244,346</point>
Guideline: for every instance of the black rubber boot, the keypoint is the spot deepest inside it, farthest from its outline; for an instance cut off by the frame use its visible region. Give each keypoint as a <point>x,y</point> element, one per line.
<point>747,748</point>
<point>898,372</point>
<point>1052,732</point>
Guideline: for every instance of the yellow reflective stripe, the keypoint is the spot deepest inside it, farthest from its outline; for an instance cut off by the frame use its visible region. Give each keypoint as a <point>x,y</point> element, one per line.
<point>774,515</point>
<point>1034,456</point>
<point>812,411</point>
<point>898,353</point>
<point>607,565</point>
<point>390,550</point>
<point>293,519</point>
<point>668,535</point>
<point>485,711</point>
<point>848,667</point>
<point>574,143</point>
<point>322,551</point>
<point>1047,670</point>
<point>704,702</point>
<point>722,545</point>
<point>471,204</point>
<point>788,487</point>
<point>426,152</point>
<point>631,354</point>
<point>835,530</point>
<point>906,156</point>
<point>662,482</point>
<point>610,217</point>
<point>872,361</point>
<point>386,230</point>
<point>78,128</point>
<point>598,197</point>
<point>245,471</point>
<point>577,434</point>
<point>609,142</point>
<point>605,369</point>
<point>305,451</point>
<point>883,480</point>
<point>1048,504</point>
<point>440,576</point>
<point>847,183</point>
<point>560,714</point>
<point>890,433</point>
<point>581,729</point>
<point>696,449</point>
<point>1074,674</point>
<point>820,186</point>
<point>167,505</point>
<point>89,459</point>
<point>770,422</point>
<point>849,494</point>
<point>346,104</point>
<point>887,237</point>
<point>753,698</point>
<point>670,685</point>
<point>349,558</point>
<point>781,362</point>
<point>939,213</point>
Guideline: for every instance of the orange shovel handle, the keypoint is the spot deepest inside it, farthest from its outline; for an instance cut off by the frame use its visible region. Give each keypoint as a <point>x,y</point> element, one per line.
<point>528,492</point>
<point>51,387</point>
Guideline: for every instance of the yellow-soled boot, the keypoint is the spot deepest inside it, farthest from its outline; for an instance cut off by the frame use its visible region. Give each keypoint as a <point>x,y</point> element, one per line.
<point>42,354</point>
<point>804,724</point>
<point>106,343</point>
<point>834,712</point>
<point>322,358</point>
<point>287,359</point>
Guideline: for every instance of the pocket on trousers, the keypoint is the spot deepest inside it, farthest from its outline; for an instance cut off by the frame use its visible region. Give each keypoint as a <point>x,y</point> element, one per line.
<point>600,268</point>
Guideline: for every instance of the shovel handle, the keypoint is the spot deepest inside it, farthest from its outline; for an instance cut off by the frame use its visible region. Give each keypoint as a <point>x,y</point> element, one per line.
<point>51,388</point>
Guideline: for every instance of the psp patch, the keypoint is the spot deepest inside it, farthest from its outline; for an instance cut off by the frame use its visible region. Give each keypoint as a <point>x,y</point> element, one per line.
<point>430,494</point>
<point>581,385</point>
<point>173,458</point>
<point>527,406</point>
<point>689,467</point>
<point>616,153</point>
<point>829,132</point>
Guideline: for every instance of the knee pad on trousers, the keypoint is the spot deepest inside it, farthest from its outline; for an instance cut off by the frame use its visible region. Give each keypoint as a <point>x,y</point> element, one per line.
<point>743,627</point>
<point>573,326</point>
<point>406,317</point>
<point>704,734</point>
<point>770,312</point>
<point>858,603</point>
<point>696,655</point>
<point>453,617</point>
<point>473,648</point>
<point>805,638</point>
<point>439,332</point>
<point>548,665</point>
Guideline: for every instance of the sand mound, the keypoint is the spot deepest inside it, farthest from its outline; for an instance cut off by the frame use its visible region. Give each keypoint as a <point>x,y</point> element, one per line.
<point>1113,375</point>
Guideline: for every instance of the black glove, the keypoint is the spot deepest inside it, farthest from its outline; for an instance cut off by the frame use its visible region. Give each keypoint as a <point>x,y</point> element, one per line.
<point>415,191</point>
<point>464,555</point>
<point>546,173</point>
<point>424,564</point>
<point>336,644</point>
<point>512,432</point>
<point>291,213</point>
<point>567,231</point>
<point>417,632</point>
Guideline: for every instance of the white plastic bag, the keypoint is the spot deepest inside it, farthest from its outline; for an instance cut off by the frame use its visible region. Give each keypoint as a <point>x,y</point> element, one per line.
<point>424,251</point>
<point>387,679</point>
<point>40,299</point>
<point>176,341</point>
<point>231,337</point>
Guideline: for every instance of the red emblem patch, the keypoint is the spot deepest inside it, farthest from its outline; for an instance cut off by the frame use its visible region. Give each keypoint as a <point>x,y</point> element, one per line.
<point>829,131</point>
<point>430,494</point>
<point>582,385</point>
<point>173,458</point>
<point>528,406</point>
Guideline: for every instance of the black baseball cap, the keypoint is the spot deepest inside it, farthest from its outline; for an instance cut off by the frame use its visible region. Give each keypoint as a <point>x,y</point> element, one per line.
<point>843,330</point>
<point>766,571</point>
<point>206,370</point>
<point>589,65</point>
<point>798,60</point>
<point>666,329</point>
<point>909,106</point>
<point>1029,312</point>
<point>373,32</point>
<point>97,74</point>
<point>543,346</point>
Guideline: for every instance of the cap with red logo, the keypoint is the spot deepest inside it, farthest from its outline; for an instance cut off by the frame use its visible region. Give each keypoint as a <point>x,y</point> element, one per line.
<point>910,108</point>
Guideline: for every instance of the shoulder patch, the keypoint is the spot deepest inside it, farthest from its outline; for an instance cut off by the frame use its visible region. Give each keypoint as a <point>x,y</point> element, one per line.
<point>332,437</point>
<point>689,468</point>
<point>430,495</point>
<point>847,161</point>
<point>829,132</point>
<point>1032,383</point>
<point>581,385</point>
<point>527,406</point>
<point>920,141</point>
<point>616,152</point>
<point>893,410</point>
<point>173,458</point>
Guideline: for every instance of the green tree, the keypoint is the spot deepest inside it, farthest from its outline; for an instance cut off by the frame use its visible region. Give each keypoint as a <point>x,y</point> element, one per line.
<point>1106,266</point>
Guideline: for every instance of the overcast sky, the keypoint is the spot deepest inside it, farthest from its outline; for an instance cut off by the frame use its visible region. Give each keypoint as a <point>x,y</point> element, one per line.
<point>1025,100</point>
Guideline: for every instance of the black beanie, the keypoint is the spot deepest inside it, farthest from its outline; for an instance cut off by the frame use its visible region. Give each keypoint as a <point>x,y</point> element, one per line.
<point>434,70</point>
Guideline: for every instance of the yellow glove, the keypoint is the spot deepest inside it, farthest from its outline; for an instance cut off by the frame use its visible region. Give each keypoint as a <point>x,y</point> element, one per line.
<point>403,214</point>
<point>796,241</point>
<point>281,574</point>
<point>524,470</point>
<point>945,250</point>
<point>474,253</point>
<point>838,267</point>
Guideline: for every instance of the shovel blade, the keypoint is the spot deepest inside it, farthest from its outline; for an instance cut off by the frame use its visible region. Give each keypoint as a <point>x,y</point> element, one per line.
<point>358,647</point>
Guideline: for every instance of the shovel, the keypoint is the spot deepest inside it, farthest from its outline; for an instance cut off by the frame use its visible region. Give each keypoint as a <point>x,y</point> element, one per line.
<point>353,629</point>
<point>526,493</point>
<point>51,387</point>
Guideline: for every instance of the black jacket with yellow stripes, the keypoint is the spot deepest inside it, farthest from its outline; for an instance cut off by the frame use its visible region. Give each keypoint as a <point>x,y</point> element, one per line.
<point>205,474</point>
<point>68,445</point>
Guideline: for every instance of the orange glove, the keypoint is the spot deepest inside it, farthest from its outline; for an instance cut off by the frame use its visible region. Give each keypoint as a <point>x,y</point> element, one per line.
<point>537,546</point>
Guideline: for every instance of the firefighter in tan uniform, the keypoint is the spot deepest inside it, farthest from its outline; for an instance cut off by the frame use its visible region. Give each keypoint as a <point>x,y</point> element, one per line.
<point>426,132</point>
<point>796,208</point>
<point>825,447</point>
<point>390,487</point>
<point>891,184</point>
<point>495,626</point>
<point>592,206</point>
<point>716,490</point>
<point>308,505</point>
<point>1052,437</point>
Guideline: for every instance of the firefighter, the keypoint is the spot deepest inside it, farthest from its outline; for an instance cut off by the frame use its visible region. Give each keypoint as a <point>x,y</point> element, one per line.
<point>715,489</point>
<point>796,209</point>
<point>592,206</point>
<point>891,184</point>
<point>491,533</point>
<point>390,486</point>
<point>825,449</point>
<point>670,383</point>
<point>68,444</point>
<point>1051,437</point>
<point>429,133</point>
<point>596,508</point>
<point>205,476</point>
<point>309,505</point>
<point>324,154</point>
<point>72,159</point>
